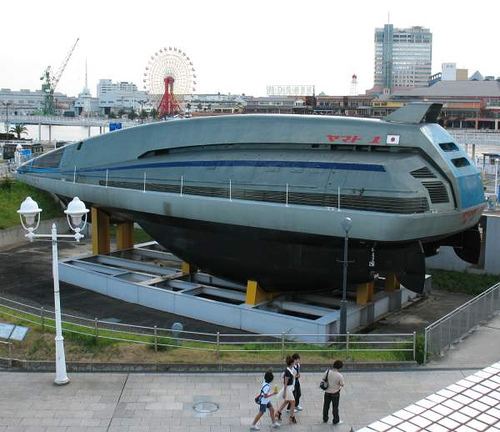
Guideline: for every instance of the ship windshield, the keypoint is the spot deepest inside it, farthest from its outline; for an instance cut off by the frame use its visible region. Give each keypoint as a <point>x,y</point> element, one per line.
<point>49,160</point>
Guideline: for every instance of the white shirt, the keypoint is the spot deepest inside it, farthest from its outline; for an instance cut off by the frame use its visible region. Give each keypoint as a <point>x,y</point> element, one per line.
<point>265,389</point>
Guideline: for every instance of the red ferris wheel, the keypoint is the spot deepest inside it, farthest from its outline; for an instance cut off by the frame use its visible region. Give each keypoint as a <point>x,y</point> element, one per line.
<point>168,78</point>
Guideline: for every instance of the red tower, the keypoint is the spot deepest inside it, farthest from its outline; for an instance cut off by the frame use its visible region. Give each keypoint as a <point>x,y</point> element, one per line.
<point>168,105</point>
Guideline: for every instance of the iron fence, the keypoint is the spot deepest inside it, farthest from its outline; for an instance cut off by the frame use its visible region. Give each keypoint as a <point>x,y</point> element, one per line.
<point>403,345</point>
<point>451,328</point>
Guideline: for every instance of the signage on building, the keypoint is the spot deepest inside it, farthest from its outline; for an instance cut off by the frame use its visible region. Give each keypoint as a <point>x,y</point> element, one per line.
<point>290,90</point>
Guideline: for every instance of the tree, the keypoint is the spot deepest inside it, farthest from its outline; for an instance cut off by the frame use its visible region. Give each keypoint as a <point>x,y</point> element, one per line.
<point>19,129</point>
<point>153,113</point>
<point>132,114</point>
<point>143,114</point>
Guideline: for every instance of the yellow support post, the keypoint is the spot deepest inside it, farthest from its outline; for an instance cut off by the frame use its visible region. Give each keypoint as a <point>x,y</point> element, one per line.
<point>187,268</point>
<point>364,293</point>
<point>391,283</point>
<point>125,235</point>
<point>255,294</point>
<point>100,232</point>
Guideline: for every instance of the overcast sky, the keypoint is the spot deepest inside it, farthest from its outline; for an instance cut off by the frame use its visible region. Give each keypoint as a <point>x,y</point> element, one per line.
<point>236,46</point>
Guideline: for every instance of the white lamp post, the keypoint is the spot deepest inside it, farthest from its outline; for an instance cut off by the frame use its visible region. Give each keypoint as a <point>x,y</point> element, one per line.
<point>346,226</point>
<point>496,178</point>
<point>76,213</point>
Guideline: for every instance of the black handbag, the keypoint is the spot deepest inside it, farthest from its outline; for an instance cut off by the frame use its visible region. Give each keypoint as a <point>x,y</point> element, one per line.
<point>323,385</point>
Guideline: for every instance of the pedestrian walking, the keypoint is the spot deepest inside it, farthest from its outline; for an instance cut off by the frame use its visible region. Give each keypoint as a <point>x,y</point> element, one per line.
<point>264,403</point>
<point>286,393</point>
<point>332,384</point>
<point>297,392</point>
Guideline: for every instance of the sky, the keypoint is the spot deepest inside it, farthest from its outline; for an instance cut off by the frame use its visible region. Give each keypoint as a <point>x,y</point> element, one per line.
<point>235,46</point>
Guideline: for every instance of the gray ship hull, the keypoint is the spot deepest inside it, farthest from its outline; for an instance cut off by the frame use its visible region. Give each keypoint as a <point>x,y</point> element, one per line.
<point>263,197</point>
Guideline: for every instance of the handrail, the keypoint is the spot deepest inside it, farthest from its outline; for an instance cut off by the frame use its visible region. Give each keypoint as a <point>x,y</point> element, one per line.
<point>469,311</point>
<point>463,306</point>
<point>401,342</point>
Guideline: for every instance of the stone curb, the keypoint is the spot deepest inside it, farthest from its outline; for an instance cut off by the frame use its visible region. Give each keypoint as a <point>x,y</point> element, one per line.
<point>48,366</point>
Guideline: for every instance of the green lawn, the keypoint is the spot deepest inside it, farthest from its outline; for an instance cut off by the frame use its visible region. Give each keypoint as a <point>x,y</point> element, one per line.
<point>462,282</point>
<point>83,345</point>
<point>12,193</point>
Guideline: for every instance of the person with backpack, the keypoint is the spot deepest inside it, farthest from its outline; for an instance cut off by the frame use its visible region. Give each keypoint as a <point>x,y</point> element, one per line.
<point>286,393</point>
<point>264,403</point>
<point>331,384</point>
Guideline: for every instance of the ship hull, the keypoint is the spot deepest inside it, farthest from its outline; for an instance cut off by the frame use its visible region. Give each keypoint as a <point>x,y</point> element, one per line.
<point>280,260</point>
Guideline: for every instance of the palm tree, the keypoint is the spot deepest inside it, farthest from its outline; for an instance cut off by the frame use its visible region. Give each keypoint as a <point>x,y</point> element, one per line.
<point>19,129</point>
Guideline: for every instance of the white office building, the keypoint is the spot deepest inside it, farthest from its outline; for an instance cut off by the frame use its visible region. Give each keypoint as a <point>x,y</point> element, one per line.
<point>120,95</point>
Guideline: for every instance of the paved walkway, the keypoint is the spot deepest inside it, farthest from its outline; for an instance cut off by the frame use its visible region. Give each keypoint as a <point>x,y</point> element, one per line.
<point>29,402</point>
<point>162,402</point>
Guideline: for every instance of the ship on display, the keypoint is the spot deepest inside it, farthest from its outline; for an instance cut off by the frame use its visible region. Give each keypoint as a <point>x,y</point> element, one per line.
<point>263,197</point>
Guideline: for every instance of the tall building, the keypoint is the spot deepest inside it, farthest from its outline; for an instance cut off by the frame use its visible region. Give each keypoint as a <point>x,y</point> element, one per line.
<point>403,58</point>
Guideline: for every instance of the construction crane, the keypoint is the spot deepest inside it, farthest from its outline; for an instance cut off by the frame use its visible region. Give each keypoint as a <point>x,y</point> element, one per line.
<point>50,82</point>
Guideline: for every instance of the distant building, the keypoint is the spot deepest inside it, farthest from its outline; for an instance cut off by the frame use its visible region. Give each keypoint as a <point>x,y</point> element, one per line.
<point>290,90</point>
<point>27,102</point>
<point>403,58</point>
<point>451,73</point>
<point>118,95</point>
<point>278,105</point>
<point>466,103</point>
<point>85,104</point>
<point>214,103</point>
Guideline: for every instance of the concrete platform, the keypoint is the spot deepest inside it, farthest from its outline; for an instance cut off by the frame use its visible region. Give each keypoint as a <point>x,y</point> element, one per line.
<point>151,277</point>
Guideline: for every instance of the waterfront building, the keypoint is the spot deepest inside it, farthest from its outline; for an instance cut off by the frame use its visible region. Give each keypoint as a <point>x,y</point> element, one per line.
<point>218,103</point>
<point>27,102</point>
<point>85,104</point>
<point>467,104</point>
<point>290,90</point>
<point>276,105</point>
<point>403,58</point>
<point>118,95</point>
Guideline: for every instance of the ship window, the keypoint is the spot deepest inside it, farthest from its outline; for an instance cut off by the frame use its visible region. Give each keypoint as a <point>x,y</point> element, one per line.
<point>449,146</point>
<point>154,153</point>
<point>49,160</point>
<point>79,146</point>
<point>460,162</point>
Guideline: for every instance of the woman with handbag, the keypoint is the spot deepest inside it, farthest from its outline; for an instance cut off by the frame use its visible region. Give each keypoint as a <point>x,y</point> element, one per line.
<point>331,384</point>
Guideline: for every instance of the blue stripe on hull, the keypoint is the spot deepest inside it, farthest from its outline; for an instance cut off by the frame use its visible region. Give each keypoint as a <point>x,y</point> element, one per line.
<point>222,163</point>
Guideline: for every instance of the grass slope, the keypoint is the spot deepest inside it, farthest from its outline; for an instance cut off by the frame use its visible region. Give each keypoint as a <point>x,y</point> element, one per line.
<point>463,282</point>
<point>12,194</point>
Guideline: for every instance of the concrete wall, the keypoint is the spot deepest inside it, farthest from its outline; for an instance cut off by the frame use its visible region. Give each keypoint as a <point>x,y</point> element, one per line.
<point>492,256</point>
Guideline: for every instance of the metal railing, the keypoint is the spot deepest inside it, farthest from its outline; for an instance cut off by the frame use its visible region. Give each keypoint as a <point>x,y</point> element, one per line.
<point>218,343</point>
<point>451,328</point>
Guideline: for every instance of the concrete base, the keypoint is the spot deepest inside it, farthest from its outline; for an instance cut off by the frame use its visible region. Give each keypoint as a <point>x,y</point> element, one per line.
<point>153,278</point>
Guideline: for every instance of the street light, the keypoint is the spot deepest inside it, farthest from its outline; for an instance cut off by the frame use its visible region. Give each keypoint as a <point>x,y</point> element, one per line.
<point>496,179</point>
<point>346,226</point>
<point>76,213</point>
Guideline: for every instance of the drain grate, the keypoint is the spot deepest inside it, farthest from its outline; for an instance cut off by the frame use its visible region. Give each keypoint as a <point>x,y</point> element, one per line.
<point>205,407</point>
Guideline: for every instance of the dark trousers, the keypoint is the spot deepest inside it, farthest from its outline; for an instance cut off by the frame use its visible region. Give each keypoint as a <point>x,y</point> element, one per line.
<point>332,398</point>
<point>297,392</point>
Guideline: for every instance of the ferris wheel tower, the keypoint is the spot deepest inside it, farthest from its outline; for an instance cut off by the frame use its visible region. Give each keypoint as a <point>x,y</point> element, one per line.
<point>168,78</point>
